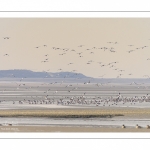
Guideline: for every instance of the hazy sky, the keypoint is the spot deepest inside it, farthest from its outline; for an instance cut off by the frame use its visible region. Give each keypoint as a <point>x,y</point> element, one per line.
<point>68,34</point>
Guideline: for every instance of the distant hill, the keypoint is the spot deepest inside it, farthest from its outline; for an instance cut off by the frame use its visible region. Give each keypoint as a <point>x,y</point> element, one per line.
<point>70,76</point>
<point>32,74</point>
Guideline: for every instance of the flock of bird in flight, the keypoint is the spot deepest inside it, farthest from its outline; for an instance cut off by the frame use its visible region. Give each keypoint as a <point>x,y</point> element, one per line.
<point>111,49</point>
<point>81,99</point>
<point>91,51</point>
<point>111,65</point>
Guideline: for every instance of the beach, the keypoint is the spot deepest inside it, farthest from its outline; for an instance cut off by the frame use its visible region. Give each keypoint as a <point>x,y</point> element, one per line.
<point>93,109</point>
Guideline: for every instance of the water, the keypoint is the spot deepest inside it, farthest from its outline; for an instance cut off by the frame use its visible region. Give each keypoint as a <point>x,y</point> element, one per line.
<point>101,122</point>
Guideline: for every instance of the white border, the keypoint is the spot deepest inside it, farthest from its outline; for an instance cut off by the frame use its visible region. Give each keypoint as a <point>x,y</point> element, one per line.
<point>74,14</point>
<point>73,144</point>
<point>74,5</point>
<point>73,135</point>
<point>83,144</point>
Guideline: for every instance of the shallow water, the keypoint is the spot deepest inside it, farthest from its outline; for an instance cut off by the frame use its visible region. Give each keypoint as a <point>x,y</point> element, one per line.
<point>109,122</point>
<point>31,91</point>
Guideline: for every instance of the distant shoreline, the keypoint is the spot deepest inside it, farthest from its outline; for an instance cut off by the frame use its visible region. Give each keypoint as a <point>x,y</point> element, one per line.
<point>84,81</point>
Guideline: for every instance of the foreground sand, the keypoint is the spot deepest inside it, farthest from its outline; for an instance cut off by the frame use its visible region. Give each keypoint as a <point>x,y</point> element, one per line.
<point>67,129</point>
<point>76,113</point>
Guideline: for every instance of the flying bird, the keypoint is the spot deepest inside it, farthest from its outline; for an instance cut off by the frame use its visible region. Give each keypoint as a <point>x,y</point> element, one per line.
<point>130,51</point>
<point>80,45</point>
<point>6,55</point>
<point>6,38</point>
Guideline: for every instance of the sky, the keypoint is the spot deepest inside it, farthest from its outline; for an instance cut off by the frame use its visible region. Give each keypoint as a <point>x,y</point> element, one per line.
<point>95,47</point>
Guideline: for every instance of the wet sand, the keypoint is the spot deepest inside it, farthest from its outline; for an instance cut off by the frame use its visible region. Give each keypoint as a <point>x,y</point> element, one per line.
<point>73,117</point>
<point>75,120</point>
<point>67,129</point>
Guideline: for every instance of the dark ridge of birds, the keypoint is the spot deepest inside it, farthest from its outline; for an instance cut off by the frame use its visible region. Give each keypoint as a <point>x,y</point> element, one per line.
<point>82,99</point>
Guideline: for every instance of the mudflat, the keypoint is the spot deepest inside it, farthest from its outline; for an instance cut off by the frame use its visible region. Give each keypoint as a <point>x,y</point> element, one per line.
<point>67,129</point>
